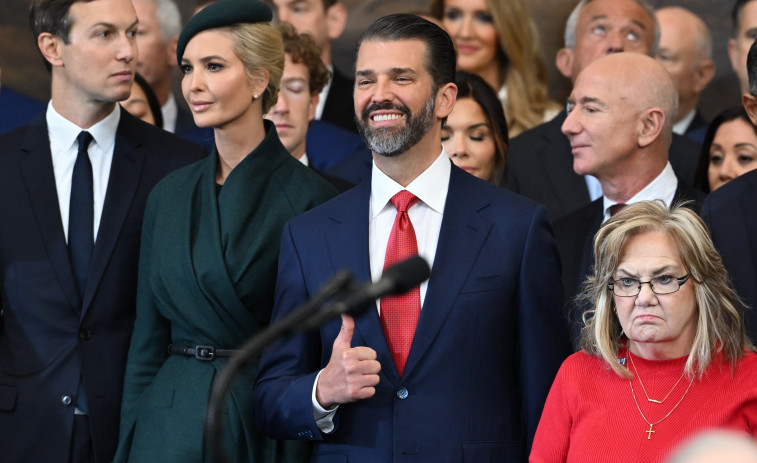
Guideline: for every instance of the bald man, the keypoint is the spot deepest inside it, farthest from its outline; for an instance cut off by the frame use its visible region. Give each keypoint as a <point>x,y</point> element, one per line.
<point>539,163</point>
<point>619,125</point>
<point>685,51</point>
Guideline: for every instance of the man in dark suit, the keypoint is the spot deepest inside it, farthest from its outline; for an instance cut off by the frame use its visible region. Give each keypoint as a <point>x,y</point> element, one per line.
<point>686,53</point>
<point>619,126</point>
<point>731,214</point>
<point>459,367</point>
<point>539,162</point>
<point>74,185</point>
<point>325,20</point>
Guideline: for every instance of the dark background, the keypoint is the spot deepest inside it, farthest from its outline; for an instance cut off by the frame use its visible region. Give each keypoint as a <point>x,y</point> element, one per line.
<point>22,67</point>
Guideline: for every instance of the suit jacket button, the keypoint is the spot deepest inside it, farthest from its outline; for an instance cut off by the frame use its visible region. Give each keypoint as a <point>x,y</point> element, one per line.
<point>66,400</point>
<point>402,393</point>
<point>84,334</point>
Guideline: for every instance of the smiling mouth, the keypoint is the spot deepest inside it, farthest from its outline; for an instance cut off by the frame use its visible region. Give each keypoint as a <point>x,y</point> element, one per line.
<point>386,117</point>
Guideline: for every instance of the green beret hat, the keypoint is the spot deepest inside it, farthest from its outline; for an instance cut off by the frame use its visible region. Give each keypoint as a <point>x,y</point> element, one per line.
<point>220,14</point>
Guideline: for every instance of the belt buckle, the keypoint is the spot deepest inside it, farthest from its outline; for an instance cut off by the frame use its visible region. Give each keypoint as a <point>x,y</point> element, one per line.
<point>205,353</point>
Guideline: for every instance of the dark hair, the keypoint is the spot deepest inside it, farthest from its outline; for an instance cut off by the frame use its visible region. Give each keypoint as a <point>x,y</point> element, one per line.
<point>738,8</point>
<point>440,59</point>
<point>472,86</point>
<point>733,113</point>
<point>51,16</point>
<point>751,69</point>
<point>152,100</point>
<point>302,49</point>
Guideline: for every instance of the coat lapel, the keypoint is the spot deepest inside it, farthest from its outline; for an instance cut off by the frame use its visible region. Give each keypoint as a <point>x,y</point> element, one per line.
<point>463,233</point>
<point>122,184</point>
<point>37,171</point>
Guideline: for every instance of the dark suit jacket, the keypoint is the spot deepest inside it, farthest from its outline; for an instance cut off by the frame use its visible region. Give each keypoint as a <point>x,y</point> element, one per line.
<point>697,128</point>
<point>731,213</point>
<point>574,235</point>
<point>50,336</point>
<point>488,344</point>
<point>540,167</point>
<point>339,108</point>
<point>327,144</point>
<point>186,128</point>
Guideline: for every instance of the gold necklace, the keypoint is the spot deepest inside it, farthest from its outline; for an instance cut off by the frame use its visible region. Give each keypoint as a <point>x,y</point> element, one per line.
<point>645,389</point>
<point>651,425</point>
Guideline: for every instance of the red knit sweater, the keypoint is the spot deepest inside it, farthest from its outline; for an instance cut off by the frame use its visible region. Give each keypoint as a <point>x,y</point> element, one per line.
<point>590,414</point>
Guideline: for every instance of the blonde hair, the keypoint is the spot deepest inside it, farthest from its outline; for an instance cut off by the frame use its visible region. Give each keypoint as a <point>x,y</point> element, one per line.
<point>260,48</point>
<point>720,325</point>
<point>522,68</point>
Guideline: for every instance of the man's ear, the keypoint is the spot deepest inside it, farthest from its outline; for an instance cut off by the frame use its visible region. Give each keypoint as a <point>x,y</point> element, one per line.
<point>704,74</point>
<point>51,47</point>
<point>750,104</point>
<point>171,51</point>
<point>336,20</point>
<point>652,122</point>
<point>445,100</point>
<point>564,61</point>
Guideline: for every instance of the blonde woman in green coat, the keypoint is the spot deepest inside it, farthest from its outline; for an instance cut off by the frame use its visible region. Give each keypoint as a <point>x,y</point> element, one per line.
<point>210,246</point>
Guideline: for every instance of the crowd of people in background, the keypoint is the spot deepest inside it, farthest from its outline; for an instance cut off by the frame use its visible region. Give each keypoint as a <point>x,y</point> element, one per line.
<point>593,265</point>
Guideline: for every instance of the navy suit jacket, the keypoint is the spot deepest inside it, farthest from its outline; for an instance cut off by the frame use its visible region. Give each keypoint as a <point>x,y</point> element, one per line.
<point>731,214</point>
<point>574,235</point>
<point>50,336</point>
<point>186,128</point>
<point>488,344</point>
<point>540,167</point>
<point>17,109</point>
<point>328,145</point>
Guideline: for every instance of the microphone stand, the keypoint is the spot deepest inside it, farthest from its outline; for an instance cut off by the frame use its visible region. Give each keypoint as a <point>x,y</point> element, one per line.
<point>303,318</point>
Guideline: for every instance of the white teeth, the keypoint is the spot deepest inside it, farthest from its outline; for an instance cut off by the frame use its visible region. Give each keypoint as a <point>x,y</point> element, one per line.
<point>386,117</point>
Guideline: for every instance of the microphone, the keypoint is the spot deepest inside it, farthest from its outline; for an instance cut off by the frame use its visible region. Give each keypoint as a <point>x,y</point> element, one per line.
<point>397,279</point>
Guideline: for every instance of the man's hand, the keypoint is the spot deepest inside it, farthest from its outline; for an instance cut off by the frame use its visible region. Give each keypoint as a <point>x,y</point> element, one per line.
<point>352,372</point>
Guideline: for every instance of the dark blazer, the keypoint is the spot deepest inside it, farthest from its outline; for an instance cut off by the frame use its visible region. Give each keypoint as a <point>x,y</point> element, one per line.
<point>488,344</point>
<point>540,167</point>
<point>50,336</point>
<point>327,144</point>
<point>186,128</point>
<point>17,109</point>
<point>731,213</point>
<point>339,108</point>
<point>574,235</point>
<point>697,128</point>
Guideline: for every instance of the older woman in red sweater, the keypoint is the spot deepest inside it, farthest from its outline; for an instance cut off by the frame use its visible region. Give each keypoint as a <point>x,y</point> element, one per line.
<point>665,353</point>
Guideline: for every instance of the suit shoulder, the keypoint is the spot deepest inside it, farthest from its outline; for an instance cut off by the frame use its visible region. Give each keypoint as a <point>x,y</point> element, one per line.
<point>301,184</point>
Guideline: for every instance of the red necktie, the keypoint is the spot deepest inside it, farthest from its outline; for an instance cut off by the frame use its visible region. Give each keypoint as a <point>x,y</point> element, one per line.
<point>615,208</point>
<point>400,314</point>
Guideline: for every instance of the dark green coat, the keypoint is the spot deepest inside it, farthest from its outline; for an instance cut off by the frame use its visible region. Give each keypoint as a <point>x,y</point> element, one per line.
<point>206,277</point>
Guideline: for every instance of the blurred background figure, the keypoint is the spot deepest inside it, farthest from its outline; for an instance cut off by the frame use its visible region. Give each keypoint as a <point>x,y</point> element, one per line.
<point>475,133</point>
<point>685,51</point>
<point>664,350</point>
<point>325,20</point>
<point>17,109</point>
<point>143,103</point>
<point>728,151</point>
<point>744,18</point>
<point>717,447</point>
<point>498,41</point>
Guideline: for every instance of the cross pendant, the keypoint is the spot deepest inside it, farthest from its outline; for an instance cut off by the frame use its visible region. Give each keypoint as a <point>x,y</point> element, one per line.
<point>649,433</point>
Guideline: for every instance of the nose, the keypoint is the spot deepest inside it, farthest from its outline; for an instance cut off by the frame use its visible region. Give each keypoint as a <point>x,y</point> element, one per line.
<point>127,48</point>
<point>615,44</point>
<point>466,27</point>
<point>191,82</point>
<point>455,146</point>
<point>727,170</point>
<point>646,296</point>
<point>281,106</point>
<point>571,126</point>
<point>383,91</point>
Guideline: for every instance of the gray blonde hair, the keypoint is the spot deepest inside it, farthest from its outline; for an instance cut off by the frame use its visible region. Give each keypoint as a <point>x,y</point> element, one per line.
<point>260,48</point>
<point>720,325</point>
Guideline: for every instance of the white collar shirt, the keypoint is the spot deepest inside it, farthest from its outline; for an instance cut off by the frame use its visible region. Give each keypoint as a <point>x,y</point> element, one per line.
<point>662,187</point>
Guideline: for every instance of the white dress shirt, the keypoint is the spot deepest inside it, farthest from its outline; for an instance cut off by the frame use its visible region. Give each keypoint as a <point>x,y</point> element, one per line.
<point>170,112</point>
<point>64,148</point>
<point>681,126</point>
<point>662,187</point>
<point>324,94</point>
<point>426,216</point>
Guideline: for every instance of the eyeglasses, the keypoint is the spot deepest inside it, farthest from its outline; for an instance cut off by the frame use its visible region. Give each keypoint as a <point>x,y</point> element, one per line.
<point>663,284</point>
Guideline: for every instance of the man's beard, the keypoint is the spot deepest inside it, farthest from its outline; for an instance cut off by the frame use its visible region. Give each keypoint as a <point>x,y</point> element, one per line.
<point>391,141</point>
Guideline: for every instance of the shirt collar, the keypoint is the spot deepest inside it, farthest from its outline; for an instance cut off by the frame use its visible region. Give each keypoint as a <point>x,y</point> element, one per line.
<point>682,126</point>
<point>64,132</point>
<point>662,187</point>
<point>430,186</point>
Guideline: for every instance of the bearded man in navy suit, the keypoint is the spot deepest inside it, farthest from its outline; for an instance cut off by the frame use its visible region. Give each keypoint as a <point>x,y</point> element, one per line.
<point>73,185</point>
<point>488,336</point>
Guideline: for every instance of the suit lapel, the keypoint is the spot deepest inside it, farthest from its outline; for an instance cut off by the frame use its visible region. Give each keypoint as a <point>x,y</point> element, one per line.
<point>462,234</point>
<point>122,184</point>
<point>37,171</point>
<point>347,239</point>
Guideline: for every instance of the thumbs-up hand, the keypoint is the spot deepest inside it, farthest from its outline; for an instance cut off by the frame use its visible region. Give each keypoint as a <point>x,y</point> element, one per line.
<point>352,372</point>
